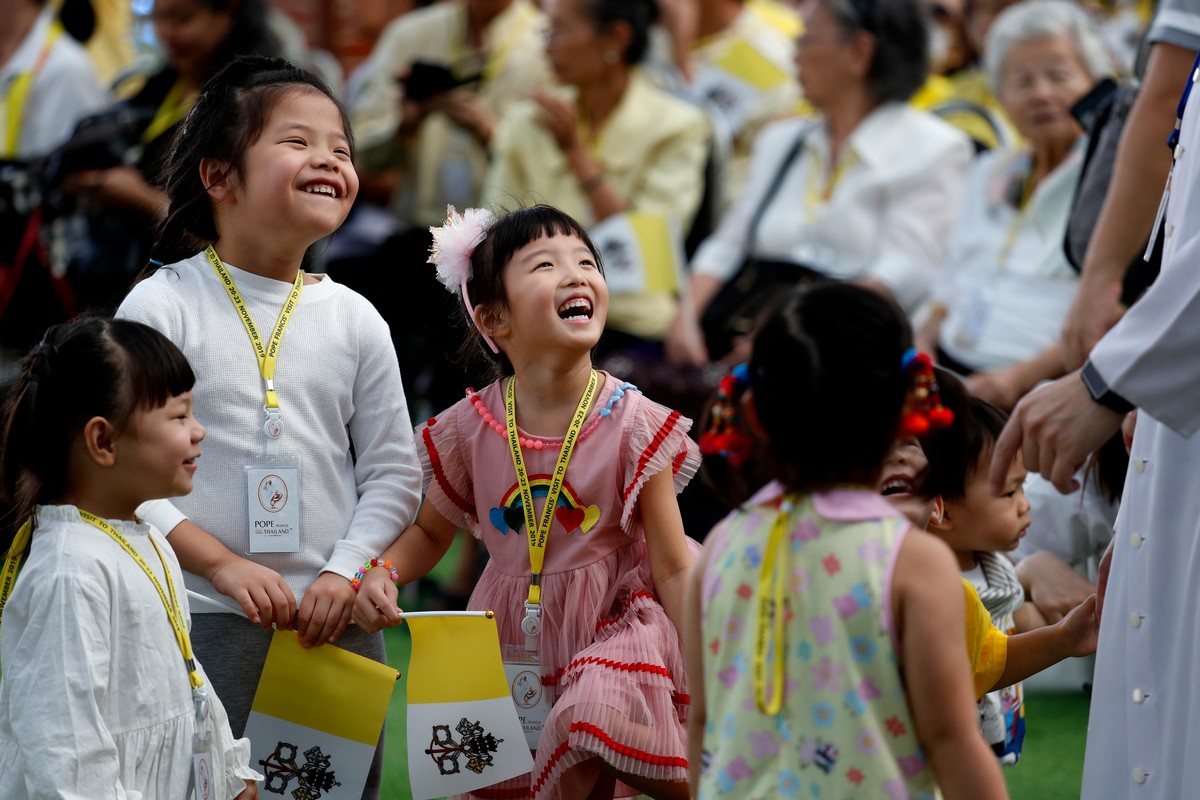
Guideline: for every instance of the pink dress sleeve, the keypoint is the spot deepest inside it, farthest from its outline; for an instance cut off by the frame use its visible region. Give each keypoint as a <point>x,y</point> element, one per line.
<point>655,438</point>
<point>447,474</point>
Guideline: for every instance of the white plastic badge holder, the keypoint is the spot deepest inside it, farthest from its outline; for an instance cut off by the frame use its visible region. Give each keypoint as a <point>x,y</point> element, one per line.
<point>532,699</point>
<point>204,783</point>
<point>273,505</point>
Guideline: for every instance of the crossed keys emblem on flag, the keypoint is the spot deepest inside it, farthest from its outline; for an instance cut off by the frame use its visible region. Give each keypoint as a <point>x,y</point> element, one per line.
<point>476,744</point>
<point>314,775</point>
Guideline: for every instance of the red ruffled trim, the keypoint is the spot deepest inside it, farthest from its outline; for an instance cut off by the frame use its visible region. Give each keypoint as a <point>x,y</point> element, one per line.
<point>640,594</point>
<point>647,454</point>
<point>435,463</point>
<point>677,464</point>
<point>610,743</point>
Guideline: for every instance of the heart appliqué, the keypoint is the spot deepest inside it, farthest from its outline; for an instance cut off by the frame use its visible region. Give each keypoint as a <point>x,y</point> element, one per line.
<point>506,519</point>
<point>582,518</point>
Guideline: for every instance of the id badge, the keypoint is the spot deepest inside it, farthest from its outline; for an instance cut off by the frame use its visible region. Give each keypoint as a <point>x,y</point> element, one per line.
<point>204,785</point>
<point>273,506</point>
<point>532,699</point>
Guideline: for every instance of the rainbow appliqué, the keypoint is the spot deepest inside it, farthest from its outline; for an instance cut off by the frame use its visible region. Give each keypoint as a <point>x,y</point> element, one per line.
<point>571,512</point>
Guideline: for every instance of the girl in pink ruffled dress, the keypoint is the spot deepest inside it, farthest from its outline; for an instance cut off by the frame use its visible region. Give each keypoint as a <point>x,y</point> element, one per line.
<point>598,607</point>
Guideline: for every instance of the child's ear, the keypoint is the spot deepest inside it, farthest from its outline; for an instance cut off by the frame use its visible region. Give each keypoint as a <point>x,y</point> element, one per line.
<point>216,176</point>
<point>493,323</point>
<point>938,514</point>
<point>942,519</point>
<point>99,439</point>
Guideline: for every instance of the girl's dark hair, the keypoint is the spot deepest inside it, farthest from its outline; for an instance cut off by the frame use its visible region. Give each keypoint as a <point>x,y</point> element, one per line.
<point>93,367</point>
<point>954,452</point>
<point>229,116</point>
<point>509,233</point>
<point>828,385</point>
<point>639,15</point>
<point>901,30</point>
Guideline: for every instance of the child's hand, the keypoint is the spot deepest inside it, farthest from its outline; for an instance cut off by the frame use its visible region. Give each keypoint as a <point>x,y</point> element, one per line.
<point>260,591</point>
<point>375,606</point>
<point>1080,629</point>
<point>250,792</point>
<point>325,610</point>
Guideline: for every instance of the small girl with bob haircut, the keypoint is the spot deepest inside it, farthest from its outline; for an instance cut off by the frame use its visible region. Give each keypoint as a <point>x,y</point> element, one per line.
<point>569,477</point>
<point>101,695</point>
<point>825,634</point>
<point>311,466</point>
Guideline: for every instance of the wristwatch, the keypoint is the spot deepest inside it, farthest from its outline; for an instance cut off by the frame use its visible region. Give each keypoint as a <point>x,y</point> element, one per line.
<point>1100,392</point>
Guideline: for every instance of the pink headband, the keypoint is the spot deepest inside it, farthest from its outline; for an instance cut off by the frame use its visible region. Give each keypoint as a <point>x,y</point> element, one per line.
<point>453,244</point>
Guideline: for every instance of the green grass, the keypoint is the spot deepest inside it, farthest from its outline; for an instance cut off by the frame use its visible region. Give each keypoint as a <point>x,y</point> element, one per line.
<point>1051,765</point>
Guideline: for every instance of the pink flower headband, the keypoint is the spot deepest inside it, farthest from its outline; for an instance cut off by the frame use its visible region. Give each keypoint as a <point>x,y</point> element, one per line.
<point>453,244</point>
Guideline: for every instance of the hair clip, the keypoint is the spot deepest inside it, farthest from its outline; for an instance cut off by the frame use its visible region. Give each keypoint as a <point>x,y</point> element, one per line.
<point>725,436</point>
<point>923,410</point>
<point>453,244</point>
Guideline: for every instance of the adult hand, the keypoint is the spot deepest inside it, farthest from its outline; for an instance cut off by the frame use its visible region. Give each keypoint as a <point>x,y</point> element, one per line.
<point>117,186</point>
<point>375,607</point>
<point>467,111</point>
<point>261,592</point>
<point>1095,309</point>
<point>1055,427</point>
<point>1054,586</point>
<point>1001,387</point>
<point>559,118</point>
<point>684,342</point>
<point>325,610</point>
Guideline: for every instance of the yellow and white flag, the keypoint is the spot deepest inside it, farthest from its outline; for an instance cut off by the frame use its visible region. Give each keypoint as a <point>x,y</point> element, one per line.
<point>463,731</point>
<point>641,252</point>
<point>735,82</point>
<point>316,719</point>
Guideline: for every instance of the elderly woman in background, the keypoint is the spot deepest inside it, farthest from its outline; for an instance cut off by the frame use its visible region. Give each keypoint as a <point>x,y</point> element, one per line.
<point>867,192</point>
<point>1006,283</point>
<point>611,143</point>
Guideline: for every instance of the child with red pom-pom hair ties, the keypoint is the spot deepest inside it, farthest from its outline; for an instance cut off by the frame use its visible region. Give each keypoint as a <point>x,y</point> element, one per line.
<point>825,634</point>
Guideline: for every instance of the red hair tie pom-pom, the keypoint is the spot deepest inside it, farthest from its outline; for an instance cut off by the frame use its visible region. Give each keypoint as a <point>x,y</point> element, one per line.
<point>923,410</point>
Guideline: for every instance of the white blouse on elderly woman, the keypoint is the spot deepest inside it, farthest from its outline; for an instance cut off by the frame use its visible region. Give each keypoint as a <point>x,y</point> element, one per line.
<point>885,212</point>
<point>1006,284</point>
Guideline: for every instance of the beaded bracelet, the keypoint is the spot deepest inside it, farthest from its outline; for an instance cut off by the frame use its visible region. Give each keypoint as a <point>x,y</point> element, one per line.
<point>375,562</point>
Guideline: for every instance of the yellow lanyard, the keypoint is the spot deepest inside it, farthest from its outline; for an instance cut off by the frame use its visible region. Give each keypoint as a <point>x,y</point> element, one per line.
<point>17,94</point>
<point>174,612</point>
<point>540,532</point>
<point>770,610</point>
<point>12,564</point>
<point>817,194</point>
<point>8,576</point>
<point>267,356</point>
<point>173,108</point>
<point>1025,204</point>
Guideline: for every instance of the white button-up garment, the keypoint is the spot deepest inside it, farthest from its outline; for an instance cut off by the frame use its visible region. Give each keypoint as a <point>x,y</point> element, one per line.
<point>1144,731</point>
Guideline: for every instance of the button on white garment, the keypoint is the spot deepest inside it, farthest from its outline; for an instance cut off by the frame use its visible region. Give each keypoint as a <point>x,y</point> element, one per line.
<point>1169,229</point>
<point>1139,696</point>
<point>1135,541</point>
<point>1135,619</point>
<point>1139,775</point>
<point>1139,465</point>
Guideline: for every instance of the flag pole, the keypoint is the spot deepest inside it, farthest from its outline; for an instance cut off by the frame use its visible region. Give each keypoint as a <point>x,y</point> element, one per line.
<point>420,614</point>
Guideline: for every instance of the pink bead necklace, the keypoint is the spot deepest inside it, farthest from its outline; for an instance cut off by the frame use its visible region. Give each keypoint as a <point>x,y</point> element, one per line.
<point>537,444</point>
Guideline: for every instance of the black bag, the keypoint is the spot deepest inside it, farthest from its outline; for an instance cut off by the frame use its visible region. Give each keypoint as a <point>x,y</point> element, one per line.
<point>735,309</point>
<point>1102,112</point>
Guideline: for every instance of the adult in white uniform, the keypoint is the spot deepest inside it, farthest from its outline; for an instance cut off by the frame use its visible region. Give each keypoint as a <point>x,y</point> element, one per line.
<point>1145,716</point>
